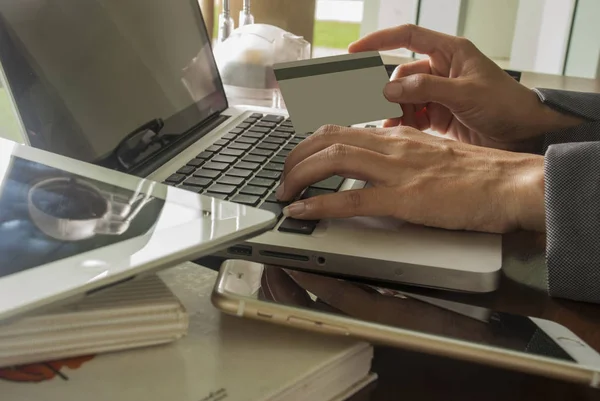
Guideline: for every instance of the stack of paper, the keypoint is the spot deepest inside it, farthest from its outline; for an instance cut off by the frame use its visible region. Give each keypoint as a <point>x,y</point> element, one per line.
<point>135,314</point>
<point>221,358</point>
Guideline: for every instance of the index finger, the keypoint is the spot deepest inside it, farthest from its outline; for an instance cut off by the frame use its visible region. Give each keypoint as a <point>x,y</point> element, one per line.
<point>412,37</point>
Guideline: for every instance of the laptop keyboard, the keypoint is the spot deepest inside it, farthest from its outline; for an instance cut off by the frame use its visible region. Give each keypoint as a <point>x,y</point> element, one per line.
<point>245,165</point>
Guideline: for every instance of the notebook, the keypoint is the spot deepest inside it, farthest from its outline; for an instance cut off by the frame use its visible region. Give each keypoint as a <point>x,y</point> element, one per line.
<point>221,358</point>
<point>135,314</point>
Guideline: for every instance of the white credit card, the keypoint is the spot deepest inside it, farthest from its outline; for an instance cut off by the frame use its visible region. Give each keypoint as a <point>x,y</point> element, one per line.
<point>341,90</point>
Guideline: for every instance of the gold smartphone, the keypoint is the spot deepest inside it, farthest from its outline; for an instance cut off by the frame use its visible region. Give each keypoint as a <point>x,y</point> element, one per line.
<point>338,307</point>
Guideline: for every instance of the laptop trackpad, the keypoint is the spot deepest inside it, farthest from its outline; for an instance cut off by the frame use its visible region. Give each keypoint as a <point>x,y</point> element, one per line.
<point>362,223</point>
<point>377,224</point>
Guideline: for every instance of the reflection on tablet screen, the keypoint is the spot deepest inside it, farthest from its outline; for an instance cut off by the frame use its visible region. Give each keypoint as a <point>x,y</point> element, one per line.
<point>47,214</point>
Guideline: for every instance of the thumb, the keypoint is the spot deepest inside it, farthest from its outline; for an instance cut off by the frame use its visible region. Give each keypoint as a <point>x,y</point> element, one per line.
<point>425,88</point>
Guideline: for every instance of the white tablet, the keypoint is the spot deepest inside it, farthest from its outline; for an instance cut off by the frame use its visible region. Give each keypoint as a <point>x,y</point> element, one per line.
<point>68,227</point>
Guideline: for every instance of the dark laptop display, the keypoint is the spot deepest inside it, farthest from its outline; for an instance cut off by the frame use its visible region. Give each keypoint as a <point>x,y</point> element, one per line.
<point>86,73</point>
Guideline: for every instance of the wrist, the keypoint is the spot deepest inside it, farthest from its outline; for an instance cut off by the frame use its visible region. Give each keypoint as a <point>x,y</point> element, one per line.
<point>529,196</point>
<point>545,119</point>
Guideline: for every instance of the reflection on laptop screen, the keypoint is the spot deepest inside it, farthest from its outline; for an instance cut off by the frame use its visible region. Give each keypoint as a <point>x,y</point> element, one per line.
<point>85,73</point>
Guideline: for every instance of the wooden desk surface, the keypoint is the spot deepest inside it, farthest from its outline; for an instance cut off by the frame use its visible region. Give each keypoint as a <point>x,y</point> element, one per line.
<point>522,291</point>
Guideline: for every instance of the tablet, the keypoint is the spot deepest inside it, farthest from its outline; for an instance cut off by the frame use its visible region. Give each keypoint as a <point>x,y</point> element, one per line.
<point>68,228</point>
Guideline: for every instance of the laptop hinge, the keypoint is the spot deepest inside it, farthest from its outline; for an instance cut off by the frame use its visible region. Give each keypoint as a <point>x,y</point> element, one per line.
<point>149,166</point>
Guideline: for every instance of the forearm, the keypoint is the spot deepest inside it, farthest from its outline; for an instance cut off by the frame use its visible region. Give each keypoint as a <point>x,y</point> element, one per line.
<point>572,203</point>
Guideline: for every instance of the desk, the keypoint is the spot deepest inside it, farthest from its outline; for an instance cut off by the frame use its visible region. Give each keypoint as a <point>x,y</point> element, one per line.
<point>522,290</point>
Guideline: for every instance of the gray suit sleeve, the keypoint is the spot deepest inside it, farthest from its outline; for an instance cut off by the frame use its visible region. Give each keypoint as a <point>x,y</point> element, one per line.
<point>572,192</point>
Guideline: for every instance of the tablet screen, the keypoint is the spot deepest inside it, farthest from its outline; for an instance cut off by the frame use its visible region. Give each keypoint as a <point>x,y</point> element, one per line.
<point>47,214</point>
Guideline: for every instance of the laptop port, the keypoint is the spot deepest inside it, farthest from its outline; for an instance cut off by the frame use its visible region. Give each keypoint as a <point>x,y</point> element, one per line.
<point>242,250</point>
<point>282,255</point>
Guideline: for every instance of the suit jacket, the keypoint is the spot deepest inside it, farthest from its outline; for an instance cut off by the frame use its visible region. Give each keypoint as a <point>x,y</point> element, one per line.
<point>572,197</point>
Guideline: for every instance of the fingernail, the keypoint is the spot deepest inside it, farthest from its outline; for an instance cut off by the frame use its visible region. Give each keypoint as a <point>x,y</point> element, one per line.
<point>393,89</point>
<point>280,190</point>
<point>294,209</point>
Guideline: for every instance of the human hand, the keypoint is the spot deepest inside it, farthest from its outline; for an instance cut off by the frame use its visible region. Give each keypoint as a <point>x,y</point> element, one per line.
<point>416,177</point>
<point>461,93</point>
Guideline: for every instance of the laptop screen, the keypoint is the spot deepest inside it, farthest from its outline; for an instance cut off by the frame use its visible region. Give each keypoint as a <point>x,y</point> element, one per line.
<point>86,73</point>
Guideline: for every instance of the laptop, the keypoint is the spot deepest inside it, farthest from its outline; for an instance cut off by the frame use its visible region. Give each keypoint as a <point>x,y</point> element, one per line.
<point>133,85</point>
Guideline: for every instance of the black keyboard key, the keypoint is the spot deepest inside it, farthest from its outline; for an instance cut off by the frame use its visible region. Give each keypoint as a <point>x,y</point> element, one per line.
<point>236,172</point>
<point>261,152</point>
<point>223,159</point>
<point>272,198</point>
<point>175,178</point>
<point>236,131</point>
<point>246,199</point>
<point>213,148</point>
<point>250,134</point>
<point>191,188</point>
<point>282,135</point>
<point>206,173</point>
<point>198,182</point>
<point>295,141</point>
<point>310,192</point>
<point>274,167</point>
<point>247,166</point>
<point>302,136</point>
<point>268,146</point>
<point>216,166</point>
<point>262,182</point>
<point>221,142</point>
<point>222,189</point>
<point>273,175</point>
<point>229,136</point>
<point>231,152</point>
<point>230,180</point>
<point>216,195</point>
<point>195,162</point>
<point>187,170</point>
<point>252,190</point>
<point>272,118</point>
<point>254,159</point>
<point>283,153</point>
<point>256,115</point>
<point>332,183</point>
<point>262,130</point>
<point>278,159</point>
<point>294,226</point>
<point>245,139</point>
<point>243,126</point>
<point>251,120</point>
<point>289,147</point>
<point>204,155</point>
<point>283,128</point>
<point>266,124</point>
<point>277,141</point>
<point>276,208</point>
<point>239,146</point>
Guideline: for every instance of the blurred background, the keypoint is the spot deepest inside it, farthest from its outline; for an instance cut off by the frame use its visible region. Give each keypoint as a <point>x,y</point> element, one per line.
<point>546,36</point>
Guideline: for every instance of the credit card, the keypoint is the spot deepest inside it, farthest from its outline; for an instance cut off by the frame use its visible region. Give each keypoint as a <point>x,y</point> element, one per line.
<point>341,90</point>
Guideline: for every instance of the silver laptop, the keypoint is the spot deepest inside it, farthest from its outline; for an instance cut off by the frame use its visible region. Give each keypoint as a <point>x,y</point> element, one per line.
<point>133,85</point>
